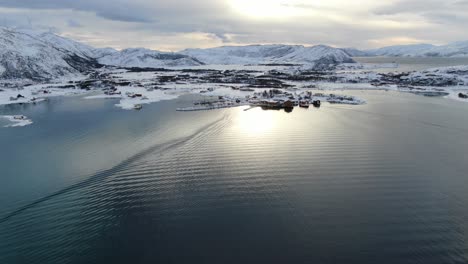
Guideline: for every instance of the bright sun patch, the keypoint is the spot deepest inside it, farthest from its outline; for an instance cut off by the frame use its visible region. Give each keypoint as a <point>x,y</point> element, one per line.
<point>263,8</point>
<point>256,122</point>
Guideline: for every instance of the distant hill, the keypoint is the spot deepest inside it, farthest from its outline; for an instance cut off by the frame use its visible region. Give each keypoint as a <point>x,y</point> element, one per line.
<point>144,58</point>
<point>455,49</point>
<point>270,54</point>
<point>352,52</point>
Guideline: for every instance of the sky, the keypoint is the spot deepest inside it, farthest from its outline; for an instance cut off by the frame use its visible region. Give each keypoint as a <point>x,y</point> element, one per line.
<point>173,25</point>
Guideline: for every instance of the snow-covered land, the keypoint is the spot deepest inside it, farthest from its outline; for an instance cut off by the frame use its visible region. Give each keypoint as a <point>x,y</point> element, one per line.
<point>140,88</point>
<point>445,76</point>
<point>127,101</point>
<point>36,93</point>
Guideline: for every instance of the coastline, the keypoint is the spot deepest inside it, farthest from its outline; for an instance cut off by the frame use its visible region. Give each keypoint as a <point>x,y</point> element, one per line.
<point>135,88</point>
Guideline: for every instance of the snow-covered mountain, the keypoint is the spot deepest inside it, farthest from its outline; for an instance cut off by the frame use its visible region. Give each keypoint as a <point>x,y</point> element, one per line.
<point>455,49</point>
<point>352,52</point>
<point>102,52</point>
<point>65,44</point>
<point>401,50</point>
<point>269,54</point>
<point>29,55</point>
<point>145,58</point>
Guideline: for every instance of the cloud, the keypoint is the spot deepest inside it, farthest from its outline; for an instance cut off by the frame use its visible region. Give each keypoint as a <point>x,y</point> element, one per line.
<point>450,13</point>
<point>73,23</point>
<point>119,10</point>
<point>411,6</point>
<point>178,24</point>
<point>461,3</point>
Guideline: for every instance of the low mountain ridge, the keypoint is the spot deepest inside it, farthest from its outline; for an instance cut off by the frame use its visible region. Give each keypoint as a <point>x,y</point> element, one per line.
<point>401,50</point>
<point>269,54</point>
<point>145,58</point>
<point>352,52</point>
<point>455,49</point>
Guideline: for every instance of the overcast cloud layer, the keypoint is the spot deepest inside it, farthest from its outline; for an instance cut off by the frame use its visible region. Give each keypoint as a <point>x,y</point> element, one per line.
<point>178,24</point>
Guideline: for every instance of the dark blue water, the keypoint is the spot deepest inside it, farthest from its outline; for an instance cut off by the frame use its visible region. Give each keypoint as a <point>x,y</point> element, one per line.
<point>381,183</point>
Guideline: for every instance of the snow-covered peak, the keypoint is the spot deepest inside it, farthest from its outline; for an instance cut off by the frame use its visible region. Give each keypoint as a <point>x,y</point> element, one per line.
<point>36,56</point>
<point>67,44</point>
<point>62,43</point>
<point>321,53</point>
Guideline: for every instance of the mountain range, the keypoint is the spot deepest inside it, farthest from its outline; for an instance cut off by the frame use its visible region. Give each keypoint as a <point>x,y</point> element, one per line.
<point>28,54</point>
<point>270,54</point>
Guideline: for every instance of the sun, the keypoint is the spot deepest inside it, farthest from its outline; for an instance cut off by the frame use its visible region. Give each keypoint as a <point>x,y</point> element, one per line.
<point>261,9</point>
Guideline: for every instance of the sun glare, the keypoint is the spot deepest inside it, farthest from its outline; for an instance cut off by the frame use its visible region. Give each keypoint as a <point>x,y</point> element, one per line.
<point>263,8</point>
<point>256,122</point>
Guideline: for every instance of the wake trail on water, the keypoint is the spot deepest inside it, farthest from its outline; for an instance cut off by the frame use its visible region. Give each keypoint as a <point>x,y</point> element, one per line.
<point>102,175</point>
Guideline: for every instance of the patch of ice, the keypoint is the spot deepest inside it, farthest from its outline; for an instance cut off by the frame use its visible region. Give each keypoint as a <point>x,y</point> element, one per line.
<point>17,121</point>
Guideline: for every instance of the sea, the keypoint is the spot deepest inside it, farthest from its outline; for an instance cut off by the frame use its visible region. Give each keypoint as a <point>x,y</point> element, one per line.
<point>384,182</point>
<point>409,64</point>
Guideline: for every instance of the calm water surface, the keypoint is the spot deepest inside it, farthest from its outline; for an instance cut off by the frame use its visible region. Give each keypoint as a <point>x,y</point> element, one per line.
<point>412,64</point>
<point>380,183</point>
